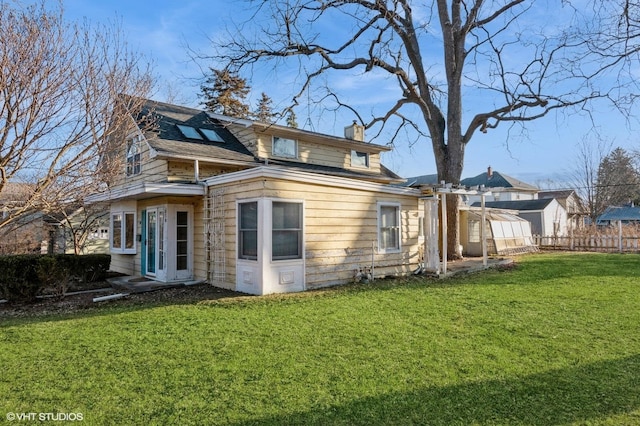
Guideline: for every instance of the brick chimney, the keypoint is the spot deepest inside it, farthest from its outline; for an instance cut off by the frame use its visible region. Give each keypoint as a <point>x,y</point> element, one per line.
<point>489,172</point>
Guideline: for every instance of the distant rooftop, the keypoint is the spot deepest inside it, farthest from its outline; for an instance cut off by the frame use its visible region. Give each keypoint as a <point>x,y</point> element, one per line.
<point>493,179</point>
<point>519,205</point>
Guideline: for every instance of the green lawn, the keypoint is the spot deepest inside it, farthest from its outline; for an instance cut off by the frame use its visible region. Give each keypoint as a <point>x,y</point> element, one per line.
<point>554,341</point>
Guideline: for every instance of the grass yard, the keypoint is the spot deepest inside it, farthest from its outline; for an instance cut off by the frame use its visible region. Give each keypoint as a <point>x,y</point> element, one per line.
<point>555,340</point>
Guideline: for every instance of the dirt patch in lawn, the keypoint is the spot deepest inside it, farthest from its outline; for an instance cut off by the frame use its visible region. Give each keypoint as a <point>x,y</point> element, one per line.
<point>84,301</point>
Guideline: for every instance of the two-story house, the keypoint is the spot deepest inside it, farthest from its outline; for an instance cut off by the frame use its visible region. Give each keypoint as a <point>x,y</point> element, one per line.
<point>255,207</point>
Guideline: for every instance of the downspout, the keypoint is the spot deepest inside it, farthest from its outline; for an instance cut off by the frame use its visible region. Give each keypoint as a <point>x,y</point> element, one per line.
<point>196,170</point>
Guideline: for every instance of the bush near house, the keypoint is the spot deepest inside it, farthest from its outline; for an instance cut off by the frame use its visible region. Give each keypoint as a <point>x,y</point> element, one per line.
<point>24,277</point>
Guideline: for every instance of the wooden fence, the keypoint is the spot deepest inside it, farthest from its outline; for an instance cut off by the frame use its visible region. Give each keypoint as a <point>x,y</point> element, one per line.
<point>602,243</point>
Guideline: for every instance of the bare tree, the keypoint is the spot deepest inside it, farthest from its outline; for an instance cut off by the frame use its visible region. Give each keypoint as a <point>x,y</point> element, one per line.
<point>584,173</point>
<point>61,87</point>
<point>443,53</point>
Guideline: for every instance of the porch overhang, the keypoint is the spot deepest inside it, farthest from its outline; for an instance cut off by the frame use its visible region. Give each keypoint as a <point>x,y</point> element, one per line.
<point>143,190</point>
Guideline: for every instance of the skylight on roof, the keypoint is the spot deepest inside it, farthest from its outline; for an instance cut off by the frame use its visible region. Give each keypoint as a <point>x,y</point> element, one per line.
<point>189,132</point>
<point>211,135</point>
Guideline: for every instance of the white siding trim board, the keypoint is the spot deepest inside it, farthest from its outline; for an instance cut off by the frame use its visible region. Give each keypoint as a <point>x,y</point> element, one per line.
<point>311,178</point>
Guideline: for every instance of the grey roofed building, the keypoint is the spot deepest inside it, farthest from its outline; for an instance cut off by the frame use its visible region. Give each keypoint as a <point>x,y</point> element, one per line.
<point>492,179</point>
<point>625,215</point>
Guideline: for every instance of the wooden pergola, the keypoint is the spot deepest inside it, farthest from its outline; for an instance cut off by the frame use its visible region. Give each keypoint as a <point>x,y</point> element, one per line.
<point>431,241</point>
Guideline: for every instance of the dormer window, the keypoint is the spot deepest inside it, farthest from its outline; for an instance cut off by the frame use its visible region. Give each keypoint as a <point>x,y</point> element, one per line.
<point>287,148</point>
<point>133,157</point>
<point>359,159</point>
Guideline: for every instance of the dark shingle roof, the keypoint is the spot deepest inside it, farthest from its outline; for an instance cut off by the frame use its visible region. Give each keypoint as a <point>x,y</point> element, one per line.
<point>497,180</point>
<point>520,205</point>
<point>385,174</point>
<point>169,140</point>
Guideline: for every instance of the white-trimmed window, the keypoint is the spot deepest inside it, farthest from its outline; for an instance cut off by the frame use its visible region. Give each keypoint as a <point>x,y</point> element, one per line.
<point>248,230</point>
<point>286,148</point>
<point>286,230</point>
<point>359,159</point>
<point>123,232</point>
<point>389,227</point>
<point>133,157</point>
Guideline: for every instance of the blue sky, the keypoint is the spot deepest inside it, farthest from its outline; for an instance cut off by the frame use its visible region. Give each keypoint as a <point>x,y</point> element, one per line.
<point>162,30</point>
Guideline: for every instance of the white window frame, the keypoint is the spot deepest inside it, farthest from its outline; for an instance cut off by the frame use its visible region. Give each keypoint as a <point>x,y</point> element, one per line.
<point>279,152</point>
<point>240,255</point>
<point>356,157</point>
<point>126,216</point>
<point>397,227</point>
<point>134,159</point>
<point>299,231</point>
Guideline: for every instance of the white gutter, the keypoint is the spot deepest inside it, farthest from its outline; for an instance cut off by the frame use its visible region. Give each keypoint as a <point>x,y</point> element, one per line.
<point>146,189</point>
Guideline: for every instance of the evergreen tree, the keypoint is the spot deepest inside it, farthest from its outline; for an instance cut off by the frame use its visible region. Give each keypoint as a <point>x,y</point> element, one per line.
<point>618,180</point>
<point>225,92</point>
<point>291,120</point>
<point>265,113</point>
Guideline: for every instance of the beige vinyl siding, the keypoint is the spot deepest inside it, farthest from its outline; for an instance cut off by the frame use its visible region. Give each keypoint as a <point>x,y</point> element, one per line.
<point>313,153</point>
<point>341,232</point>
<point>128,264</point>
<point>241,190</point>
<point>340,229</point>
<point>151,170</point>
<point>246,136</point>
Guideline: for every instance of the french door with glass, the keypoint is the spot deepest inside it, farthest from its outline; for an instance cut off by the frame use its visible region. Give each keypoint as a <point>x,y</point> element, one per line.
<point>167,253</point>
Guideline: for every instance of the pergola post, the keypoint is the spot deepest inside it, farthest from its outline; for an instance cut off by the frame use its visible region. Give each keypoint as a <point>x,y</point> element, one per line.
<point>483,232</point>
<point>431,240</point>
<point>443,203</point>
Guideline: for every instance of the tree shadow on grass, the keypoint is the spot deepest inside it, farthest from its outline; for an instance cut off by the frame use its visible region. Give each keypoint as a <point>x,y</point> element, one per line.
<point>580,394</point>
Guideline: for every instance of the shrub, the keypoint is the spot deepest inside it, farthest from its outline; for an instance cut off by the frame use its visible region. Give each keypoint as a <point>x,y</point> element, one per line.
<point>23,277</point>
<point>91,267</point>
<point>53,273</point>
<point>19,277</point>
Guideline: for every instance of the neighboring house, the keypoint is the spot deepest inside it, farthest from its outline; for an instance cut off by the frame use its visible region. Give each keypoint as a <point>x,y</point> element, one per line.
<point>626,215</point>
<point>503,187</point>
<point>548,217</point>
<point>255,207</point>
<point>28,233</point>
<point>576,211</point>
<point>88,230</point>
